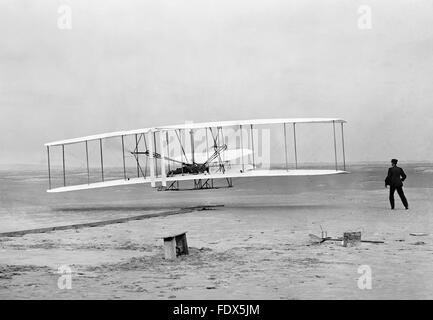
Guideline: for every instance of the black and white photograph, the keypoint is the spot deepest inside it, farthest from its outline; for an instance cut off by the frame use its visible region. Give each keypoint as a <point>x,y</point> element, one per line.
<point>230,150</point>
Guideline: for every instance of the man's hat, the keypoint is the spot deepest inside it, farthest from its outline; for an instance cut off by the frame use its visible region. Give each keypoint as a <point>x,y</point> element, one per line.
<point>394,161</point>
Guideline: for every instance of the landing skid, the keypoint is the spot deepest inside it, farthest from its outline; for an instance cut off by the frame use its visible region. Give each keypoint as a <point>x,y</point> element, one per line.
<point>199,184</point>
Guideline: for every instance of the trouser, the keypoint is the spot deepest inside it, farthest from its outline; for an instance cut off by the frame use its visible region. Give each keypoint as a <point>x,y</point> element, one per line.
<point>400,193</point>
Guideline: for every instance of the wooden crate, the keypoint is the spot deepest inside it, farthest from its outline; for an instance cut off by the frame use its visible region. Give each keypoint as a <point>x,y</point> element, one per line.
<point>351,238</point>
<point>175,245</point>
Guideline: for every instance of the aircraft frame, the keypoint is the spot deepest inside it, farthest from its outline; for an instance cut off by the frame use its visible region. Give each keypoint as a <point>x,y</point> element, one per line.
<point>159,162</point>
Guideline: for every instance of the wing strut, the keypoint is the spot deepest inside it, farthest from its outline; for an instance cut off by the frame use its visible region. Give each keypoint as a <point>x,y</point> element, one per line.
<point>63,161</point>
<point>145,159</point>
<point>87,164</point>
<point>285,146</point>
<point>191,133</point>
<point>252,145</point>
<point>151,162</point>
<point>207,143</point>
<point>49,167</point>
<point>168,148</point>
<point>335,146</point>
<point>154,149</point>
<point>163,174</point>
<point>123,153</point>
<point>136,158</point>
<point>136,153</point>
<point>102,159</point>
<point>342,142</point>
<point>242,148</point>
<point>294,143</point>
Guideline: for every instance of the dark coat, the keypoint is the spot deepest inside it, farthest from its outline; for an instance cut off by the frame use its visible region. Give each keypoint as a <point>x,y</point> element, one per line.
<point>395,177</point>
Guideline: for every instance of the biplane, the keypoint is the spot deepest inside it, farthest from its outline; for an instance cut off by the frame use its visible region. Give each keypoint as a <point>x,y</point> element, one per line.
<point>200,153</point>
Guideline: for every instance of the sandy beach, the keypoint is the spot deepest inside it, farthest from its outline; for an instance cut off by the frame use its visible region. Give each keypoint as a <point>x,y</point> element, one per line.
<point>256,246</point>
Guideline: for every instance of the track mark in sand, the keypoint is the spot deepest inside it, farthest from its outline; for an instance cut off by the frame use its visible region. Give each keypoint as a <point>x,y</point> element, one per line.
<point>315,261</point>
<point>7,272</point>
<point>418,243</point>
<point>59,244</point>
<point>178,288</point>
<point>134,288</point>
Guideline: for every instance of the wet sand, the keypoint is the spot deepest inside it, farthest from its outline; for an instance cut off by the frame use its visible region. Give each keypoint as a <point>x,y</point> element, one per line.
<point>255,247</point>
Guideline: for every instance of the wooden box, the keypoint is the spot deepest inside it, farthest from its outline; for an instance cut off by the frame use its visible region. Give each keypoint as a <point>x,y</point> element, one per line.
<point>175,245</point>
<point>351,238</point>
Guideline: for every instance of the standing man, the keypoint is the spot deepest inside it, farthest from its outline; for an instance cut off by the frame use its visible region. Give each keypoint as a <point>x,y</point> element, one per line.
<point>394,180</point>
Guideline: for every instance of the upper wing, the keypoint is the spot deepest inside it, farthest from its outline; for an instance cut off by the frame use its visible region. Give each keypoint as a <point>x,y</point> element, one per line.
<point>237,123</point>
<point>201,125</point>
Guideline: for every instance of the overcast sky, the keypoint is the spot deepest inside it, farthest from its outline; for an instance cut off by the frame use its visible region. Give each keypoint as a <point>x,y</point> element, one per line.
<point>132,63</point>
